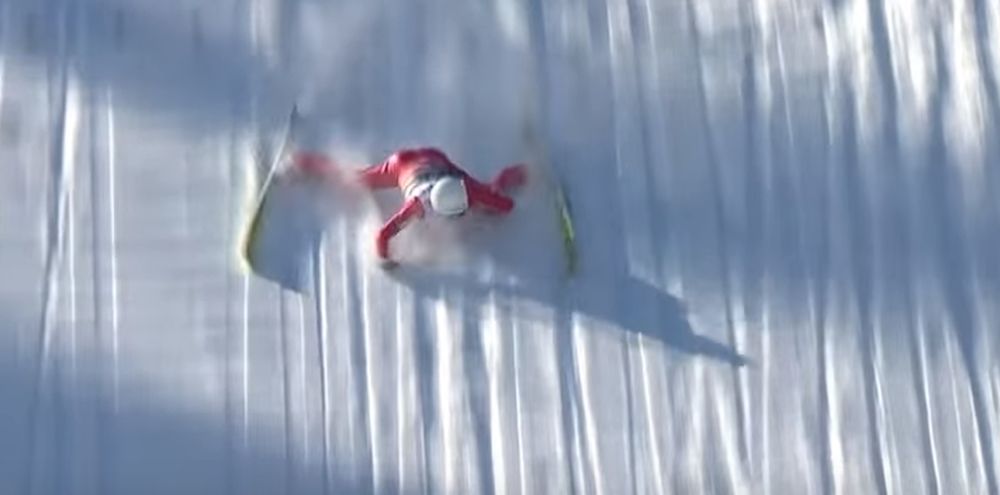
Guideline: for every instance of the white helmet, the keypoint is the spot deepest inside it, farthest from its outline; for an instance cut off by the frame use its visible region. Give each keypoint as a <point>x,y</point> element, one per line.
<point>448,197</point>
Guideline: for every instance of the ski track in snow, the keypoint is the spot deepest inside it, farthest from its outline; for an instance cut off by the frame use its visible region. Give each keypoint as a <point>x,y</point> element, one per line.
<point>803,184</point>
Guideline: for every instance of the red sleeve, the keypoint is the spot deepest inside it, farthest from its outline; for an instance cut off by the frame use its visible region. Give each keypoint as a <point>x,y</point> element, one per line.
<point>411,210</point>
<point>484,196</point>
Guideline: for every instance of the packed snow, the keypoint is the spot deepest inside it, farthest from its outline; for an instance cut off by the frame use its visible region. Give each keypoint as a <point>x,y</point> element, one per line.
<point>786,225</point>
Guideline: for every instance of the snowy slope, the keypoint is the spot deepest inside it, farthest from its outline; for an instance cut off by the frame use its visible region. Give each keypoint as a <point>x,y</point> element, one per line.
<point>806,185</point>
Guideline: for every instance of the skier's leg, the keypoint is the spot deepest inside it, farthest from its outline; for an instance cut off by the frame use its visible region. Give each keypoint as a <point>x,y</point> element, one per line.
<point>381,175</point>
<point>487,197</point>
<point>314,164</point>
<point>511,177</point>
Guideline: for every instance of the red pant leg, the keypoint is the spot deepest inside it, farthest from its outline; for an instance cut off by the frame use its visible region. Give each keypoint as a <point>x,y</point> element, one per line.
<point>313,163</point>
<point>381,175</point>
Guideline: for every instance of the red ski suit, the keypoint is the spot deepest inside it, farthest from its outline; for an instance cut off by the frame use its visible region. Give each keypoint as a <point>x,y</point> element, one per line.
<point>408,167</point>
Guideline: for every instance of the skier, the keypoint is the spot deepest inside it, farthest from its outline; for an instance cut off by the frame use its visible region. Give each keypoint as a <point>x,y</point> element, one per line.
<point>429,182</point>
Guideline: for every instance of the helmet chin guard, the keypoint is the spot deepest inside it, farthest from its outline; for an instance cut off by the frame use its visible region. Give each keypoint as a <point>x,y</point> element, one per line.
<point>448,197</point>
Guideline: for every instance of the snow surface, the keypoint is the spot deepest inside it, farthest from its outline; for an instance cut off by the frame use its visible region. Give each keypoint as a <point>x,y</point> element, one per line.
<point>803,185</point>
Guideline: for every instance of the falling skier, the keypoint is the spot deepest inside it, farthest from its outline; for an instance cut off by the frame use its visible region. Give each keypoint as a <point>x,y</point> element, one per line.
<point>429,182</point>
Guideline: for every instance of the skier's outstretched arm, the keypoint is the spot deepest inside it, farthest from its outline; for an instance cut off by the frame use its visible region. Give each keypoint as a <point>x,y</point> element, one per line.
<point>412,209</point>
<point>487,197</point>
<point>510,177</point>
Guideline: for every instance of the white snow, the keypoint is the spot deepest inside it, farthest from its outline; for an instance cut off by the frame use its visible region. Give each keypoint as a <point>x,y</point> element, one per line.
<point>806,185</point>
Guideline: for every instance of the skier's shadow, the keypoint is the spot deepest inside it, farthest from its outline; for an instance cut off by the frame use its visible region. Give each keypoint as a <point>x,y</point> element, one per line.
<point>627,302</point>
